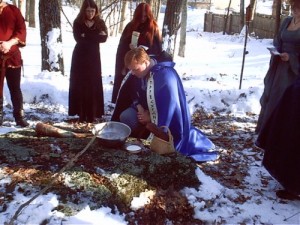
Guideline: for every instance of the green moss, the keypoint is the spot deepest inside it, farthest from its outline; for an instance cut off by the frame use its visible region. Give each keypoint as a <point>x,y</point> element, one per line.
<point>101,176</point>
<point>84,181</point>
<point>129,186</point>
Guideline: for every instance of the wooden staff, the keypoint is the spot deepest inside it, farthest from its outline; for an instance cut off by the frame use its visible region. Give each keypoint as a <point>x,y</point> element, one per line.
<point>249,17</point>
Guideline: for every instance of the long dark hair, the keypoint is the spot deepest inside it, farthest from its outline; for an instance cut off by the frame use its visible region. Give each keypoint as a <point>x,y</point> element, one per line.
<point>81,17</point>
<point>150,24</point>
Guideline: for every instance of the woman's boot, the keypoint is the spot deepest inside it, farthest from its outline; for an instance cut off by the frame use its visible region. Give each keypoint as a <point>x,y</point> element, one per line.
<point>19,117</point>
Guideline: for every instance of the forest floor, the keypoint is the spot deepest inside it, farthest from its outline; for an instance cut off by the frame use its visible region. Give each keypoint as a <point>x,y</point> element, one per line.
<point>33,160</point>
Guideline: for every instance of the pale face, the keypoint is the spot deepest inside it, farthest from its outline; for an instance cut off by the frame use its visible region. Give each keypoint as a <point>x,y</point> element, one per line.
<point>139,70</point>
<point>144,17</point>
<point>90,13</point>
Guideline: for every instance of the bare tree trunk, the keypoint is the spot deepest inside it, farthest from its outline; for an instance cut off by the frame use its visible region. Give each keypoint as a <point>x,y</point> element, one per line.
<point>182,42</point>
<point>123,16</point>
<point>171,25</point>
<point>31,13</point>
<point>277,14</point>
<point>157,11</point>
<point>27,10</point>
<point>226,17</point>
<point>242,13</point>
<point>51,39</point>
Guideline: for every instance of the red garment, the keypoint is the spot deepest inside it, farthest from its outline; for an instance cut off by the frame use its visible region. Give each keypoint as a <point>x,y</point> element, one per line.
<point>12,25</point>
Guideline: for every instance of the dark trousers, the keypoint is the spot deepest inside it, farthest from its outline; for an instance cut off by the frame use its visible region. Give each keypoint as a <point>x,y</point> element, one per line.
<point>13,79</point>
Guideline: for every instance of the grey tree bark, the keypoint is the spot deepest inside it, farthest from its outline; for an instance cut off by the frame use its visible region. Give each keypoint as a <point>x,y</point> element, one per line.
<point>122,16</point>
<point>26,17</point>
<point>276,12</point>
<point>182,42</point>
<point>31,13</point>
<point>51,38</point>
<point>242,12</point>
<point>171,25</point>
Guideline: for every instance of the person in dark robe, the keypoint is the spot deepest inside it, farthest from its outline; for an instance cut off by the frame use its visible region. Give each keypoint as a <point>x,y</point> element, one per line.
<point>86,90</point>
<point>12,37</point>
<point>160,100</point>
<point>279,138</point>
<point>149,36</point>
<point>284,67</point>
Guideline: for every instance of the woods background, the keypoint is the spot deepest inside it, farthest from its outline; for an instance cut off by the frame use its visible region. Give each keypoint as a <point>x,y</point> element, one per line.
<point>115,13</point>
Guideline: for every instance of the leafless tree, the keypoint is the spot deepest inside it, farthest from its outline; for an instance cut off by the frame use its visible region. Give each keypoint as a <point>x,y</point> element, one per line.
<point>50,32</point>
<point>171,25</point>
<point>182,42</point>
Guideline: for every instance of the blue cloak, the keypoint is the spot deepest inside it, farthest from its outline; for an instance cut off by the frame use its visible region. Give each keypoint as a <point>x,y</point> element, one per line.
<point>165,99</point>
<point>168,107</point>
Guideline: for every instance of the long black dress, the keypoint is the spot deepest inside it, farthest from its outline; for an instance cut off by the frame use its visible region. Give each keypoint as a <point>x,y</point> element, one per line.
<point>86,90</point>
<point>280,138</point>
<point>123,47</point>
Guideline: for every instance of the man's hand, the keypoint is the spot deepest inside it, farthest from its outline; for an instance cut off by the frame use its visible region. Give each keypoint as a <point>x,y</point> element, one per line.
<point>6,45</point>
<point>143,115</point>
<point>158,132</point>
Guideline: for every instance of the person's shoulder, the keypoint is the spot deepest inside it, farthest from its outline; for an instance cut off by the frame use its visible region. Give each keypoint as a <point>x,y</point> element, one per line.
<point>163,57</point>
<point>165,67</point>
<point>128,25</point>
<point>13,8</point>
<point>166,64</point>
<point>76,24</point>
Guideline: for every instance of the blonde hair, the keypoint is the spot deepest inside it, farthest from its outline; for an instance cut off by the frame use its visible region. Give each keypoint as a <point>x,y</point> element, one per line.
<point>137,55</point>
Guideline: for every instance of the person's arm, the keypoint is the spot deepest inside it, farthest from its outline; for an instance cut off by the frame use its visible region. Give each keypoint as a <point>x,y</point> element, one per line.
<point>19,33</point>
<point>100,35</point>
<point>277,42</point>
<point>157,43</point>
<point>79,35</point>
<point>158,132</point>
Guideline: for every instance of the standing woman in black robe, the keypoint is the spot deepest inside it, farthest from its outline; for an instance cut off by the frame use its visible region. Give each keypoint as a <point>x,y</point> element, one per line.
<point>86,89</point>
<point>143,22</point>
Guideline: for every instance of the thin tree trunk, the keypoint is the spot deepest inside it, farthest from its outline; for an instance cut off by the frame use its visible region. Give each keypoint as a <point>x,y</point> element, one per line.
<point>182,42</point>
<point>31,13</point>
<point>123,16</point>
<point>277,15</point>
<point>242,13</point>
<point>226,17</point>
<point>27,10</point>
